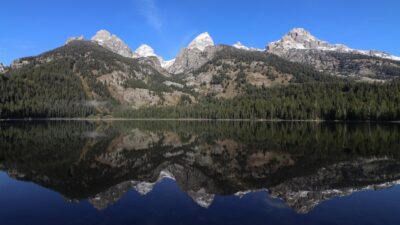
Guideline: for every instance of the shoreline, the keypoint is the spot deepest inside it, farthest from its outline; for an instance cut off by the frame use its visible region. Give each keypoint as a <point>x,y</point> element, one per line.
<point>191,119</point>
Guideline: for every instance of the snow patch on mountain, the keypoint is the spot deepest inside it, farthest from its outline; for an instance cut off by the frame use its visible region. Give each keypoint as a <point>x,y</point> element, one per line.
<point>239,45</point>
<point>167,64</point>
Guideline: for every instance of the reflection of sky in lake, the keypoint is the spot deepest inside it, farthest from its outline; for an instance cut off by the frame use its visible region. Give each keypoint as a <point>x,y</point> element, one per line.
<point>27,203</point>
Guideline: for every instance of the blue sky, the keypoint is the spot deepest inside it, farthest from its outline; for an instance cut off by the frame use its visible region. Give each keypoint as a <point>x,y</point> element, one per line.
<point>30,27</point>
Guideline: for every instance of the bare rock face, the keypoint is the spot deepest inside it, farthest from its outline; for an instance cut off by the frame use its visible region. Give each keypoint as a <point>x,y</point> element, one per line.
<point>191,59</point>
<point>199,51</point>
<point>113,43</point>
<point>71,39</point>
<point>19,63</point>
<point>140,97</point>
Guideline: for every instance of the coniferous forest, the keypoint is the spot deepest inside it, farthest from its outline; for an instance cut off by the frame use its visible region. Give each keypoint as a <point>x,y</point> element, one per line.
<point>64,97</point>
<point>314,101</point>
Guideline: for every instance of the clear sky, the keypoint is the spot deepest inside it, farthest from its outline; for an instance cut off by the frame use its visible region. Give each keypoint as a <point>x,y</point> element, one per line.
<point>29,27</point>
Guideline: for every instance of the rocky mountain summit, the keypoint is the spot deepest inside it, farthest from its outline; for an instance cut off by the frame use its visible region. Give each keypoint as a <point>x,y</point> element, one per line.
<point>113,43</point>
<point>145,51</point>
<point>198,52</point>
<point>301,39</point>
<point>201,42</point>
<point>298,45</point>
<point>71,39</point>
<point>301,46</point>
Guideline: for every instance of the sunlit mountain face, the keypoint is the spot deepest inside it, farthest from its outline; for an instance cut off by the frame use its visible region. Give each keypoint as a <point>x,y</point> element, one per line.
<point>301,165</point>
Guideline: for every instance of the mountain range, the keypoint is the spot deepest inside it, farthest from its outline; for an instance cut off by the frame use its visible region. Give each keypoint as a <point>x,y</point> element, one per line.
<point>297,40</point>
<point>105,72</point>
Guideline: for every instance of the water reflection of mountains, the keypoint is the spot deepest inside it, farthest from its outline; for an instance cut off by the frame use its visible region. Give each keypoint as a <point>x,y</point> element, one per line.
<point>301,163</point>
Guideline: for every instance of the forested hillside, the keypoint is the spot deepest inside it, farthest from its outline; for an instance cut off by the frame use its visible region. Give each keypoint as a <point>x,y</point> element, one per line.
<point>77,80</point>
<point>348,101</point>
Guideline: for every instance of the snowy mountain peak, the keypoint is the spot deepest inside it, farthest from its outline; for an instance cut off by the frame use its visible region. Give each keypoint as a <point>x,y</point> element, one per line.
<point>201,42</point>
<point>299,38</point>
<point>112,42</point>
<point>102,36</point>
<point>145,51</point>
<point>301,32</point>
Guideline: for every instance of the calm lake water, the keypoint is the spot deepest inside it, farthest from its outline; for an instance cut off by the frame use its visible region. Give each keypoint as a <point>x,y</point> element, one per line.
<point>142,172</point>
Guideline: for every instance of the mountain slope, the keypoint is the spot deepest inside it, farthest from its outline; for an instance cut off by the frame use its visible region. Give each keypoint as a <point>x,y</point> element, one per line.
<point>82,75</point>
<point>231,71</point>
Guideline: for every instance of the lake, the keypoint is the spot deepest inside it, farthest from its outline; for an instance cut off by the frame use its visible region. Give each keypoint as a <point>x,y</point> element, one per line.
<point>199,172</point>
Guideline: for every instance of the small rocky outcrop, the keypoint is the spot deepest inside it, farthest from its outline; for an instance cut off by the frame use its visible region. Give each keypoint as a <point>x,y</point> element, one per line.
<point>71,39</point>
<point>2,68</point>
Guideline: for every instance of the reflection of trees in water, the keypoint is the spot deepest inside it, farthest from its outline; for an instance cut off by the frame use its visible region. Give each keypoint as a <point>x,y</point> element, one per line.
<point>82,159</point>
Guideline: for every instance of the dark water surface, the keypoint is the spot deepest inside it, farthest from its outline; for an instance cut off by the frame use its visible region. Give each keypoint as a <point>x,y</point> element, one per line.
<point>142,172</point>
